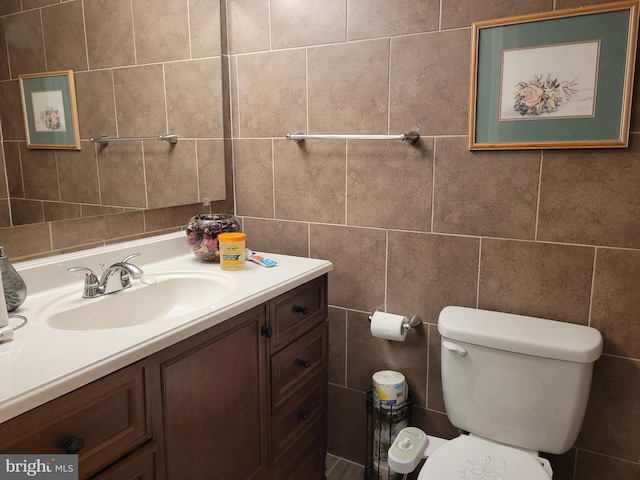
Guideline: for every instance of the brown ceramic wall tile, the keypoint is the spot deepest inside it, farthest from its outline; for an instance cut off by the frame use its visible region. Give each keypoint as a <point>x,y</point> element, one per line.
<point>616,301</point>
<point>457,14</point>
<point>121,172</point>
<point>4,59</point>
<point>24,212</point>
<point>24,42</point>
<point>337,346</point>
<point>389,184</point>
<point>13,169</point>
<point>272,93</point>
<point>435,398</point>
<point>358,256</point>
<point>60,211</point>
<point>296,24</point>
<point>430,83</point>
<point>346,437</point>
<point>611,422</point>
<point>5,216</point>
<point>204,24</point>
<point>78,175</point>
<point>211,169</point>
<point>591,196</point>
<point>165,218</point>
<point>537,279</point>
<point>277,236</point>
<point>93,210</point>
<point>368,354</point>
<point>140,101</point>
<point>349,87</point>
<point>11,111</point>
<point>381,18</point>
<point>25,240</point>
<point>10,6</point>
<point>309,180</point>
<point>171,173</point>
<point>4,192</point>
<point>66,233</point>
<point>248,26</point>
<point>427,272</point>
<point>39,174</point>
<point>194,91</point>
<point>65,48</point>
<point>591,466</point>
<point>161,29</point>
<point>485,193</point>
<point>96,107</point>
<point>29,4</point>
<point>253,166</point>
<point>109,27</point>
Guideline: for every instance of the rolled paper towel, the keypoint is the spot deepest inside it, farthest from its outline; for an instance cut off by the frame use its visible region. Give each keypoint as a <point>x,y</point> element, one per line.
<point>388,326</point>
<point>389,388</point>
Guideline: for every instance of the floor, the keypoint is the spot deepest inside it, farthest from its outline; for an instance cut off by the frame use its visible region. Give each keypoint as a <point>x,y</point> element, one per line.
<point>341,469</point>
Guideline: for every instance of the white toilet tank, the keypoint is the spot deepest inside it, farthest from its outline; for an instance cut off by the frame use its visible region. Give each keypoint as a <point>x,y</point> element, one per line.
<point>517,380</point>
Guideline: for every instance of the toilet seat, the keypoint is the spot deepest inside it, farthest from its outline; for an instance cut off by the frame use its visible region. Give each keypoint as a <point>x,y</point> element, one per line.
<point>473,458</point>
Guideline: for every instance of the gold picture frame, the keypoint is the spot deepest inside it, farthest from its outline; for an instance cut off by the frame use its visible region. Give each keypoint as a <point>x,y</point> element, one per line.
<point>561,79</point>
<point>50,110</point>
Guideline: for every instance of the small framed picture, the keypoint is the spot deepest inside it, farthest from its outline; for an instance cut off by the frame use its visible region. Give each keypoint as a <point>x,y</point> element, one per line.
<point>561,79</point>
<point>50,110</point>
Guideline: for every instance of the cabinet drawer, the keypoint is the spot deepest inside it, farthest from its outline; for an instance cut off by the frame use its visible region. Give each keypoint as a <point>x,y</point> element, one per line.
<point>297,417</point>
<point>298,311</point>
<point>109,417</point>
<point>297,363</point>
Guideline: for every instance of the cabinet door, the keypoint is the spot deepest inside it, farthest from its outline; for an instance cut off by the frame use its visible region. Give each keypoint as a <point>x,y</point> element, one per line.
<point>215,402</point>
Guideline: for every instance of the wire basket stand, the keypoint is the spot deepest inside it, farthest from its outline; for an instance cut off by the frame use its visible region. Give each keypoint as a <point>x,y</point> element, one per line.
<point>383,425</point>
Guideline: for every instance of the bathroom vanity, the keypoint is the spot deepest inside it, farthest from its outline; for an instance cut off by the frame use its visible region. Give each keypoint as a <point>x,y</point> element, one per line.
<point>237,389</point>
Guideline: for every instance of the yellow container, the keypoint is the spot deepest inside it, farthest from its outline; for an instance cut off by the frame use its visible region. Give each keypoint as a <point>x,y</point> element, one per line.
<point>232,245</point>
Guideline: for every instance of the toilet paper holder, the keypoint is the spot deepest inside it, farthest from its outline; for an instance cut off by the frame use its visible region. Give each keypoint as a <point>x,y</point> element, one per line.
<point>413,321</point>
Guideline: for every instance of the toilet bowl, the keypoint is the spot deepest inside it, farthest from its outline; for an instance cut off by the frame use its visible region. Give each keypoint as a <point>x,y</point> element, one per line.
<point>518,385</point>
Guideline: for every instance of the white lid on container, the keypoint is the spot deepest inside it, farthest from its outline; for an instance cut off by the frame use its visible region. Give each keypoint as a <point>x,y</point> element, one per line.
<point>521,334</point>
<point>472,457</point>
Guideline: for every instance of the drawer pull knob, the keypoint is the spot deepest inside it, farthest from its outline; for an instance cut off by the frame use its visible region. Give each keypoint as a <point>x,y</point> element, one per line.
<point>304,416</point>
<point>72,445</point>
<point>302,310</point>
<point>266,331</point>
<point>303,363</point>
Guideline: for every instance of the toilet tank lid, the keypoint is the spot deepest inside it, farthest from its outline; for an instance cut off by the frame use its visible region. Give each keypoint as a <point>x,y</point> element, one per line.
<point>521,334</point>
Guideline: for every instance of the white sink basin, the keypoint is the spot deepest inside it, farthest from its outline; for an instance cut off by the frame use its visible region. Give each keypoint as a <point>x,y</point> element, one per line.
<point>152,299</point>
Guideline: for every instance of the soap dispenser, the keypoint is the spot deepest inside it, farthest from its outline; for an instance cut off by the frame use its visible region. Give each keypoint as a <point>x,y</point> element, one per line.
<point>15,290</point>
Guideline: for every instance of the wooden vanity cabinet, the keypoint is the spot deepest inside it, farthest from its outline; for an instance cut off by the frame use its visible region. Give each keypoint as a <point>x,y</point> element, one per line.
<point>245,399</point>
<point>102,422</point>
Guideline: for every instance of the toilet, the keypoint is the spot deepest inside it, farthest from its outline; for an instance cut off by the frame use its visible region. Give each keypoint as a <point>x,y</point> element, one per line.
<point>516,386</point>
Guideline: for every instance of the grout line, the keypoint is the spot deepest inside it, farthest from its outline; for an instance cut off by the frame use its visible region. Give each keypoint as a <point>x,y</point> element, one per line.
<point>535,229</point>
<point>593,283</point>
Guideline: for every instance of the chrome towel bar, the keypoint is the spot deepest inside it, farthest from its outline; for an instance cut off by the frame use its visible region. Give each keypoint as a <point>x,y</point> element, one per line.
<point>104,141</point>
<point>298,137</point>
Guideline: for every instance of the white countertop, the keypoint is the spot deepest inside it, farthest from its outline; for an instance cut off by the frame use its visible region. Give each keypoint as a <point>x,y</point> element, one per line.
<point>42,363</point>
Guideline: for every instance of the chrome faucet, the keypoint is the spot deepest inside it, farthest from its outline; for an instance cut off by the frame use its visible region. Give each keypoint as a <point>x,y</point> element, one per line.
<point>115,278</point>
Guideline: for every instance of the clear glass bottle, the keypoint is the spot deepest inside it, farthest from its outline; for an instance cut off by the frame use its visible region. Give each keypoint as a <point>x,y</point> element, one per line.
<point>15,290</point>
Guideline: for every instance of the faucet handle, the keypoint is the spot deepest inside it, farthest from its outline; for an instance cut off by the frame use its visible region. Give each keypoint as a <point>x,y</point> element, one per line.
<point>135,271</point>
<point>129,257</point>
<point>90,281</point>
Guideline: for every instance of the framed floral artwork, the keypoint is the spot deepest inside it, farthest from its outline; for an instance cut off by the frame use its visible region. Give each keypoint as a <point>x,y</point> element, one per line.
<point>560,79</point>
<point>50,110</point>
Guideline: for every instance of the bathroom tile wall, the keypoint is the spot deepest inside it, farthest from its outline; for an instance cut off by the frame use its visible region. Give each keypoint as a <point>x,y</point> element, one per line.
<point>411,229</point>
<point>142,68</point>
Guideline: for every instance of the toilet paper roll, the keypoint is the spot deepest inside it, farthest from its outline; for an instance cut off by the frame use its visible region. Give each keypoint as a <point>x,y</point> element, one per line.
<point>388,326</point>
<point>389,388</point>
